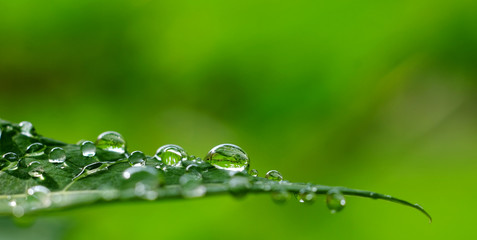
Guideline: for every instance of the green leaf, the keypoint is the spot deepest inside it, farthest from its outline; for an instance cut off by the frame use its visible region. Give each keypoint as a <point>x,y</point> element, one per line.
<point>40,175</point>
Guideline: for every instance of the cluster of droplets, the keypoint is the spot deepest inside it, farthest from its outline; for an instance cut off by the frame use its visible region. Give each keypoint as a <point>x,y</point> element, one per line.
<point>147,174</point>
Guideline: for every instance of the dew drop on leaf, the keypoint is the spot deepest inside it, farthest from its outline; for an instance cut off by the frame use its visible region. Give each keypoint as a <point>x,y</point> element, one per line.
<point>335,200</point>
<point>305,196</point>
<point>111,141</point>
<point>141,181</point>
<point>137,158</point>
<point>38,197</point>
<point>253,172</point>
<point>274,175</point>
<point>229,157</point>
<point>191,184</point>
<point>26,128</point>
<point>171,155</point>
<point>88,149</point>
<point>35,170</point>
<point>57,155</point>
<point>10,157</point>
<point>239,186</point>
<point>35,149</point>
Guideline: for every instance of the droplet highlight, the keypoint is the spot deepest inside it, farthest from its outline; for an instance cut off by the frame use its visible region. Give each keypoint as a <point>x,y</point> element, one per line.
<point>228,157</point>
<point>88,149</point>
<point>171,155</point>
<point>137,158</point>
<point>35,149</point>
<point>26,128</point>
<point>38,197</point>
<point>253,172</point>
<point>111,141</point>
<point>335,200</point>
<point>191,184</point>
<point>57,155</point>
<point>306,196</point>
<point>274,175</point>
<point>141,181</point>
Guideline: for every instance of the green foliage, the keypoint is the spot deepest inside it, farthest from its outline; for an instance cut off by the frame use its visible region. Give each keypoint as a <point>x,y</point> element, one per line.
<point>39,174</point>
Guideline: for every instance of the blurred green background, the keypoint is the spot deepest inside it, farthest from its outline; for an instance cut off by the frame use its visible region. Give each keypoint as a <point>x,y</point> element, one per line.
<point>376,95</point>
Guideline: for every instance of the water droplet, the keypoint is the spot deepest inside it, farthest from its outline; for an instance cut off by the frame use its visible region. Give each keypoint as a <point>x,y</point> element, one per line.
<point>253,172</point>
<point>38,197</point>
<point>137,158</point>
<point>274,175</point>
<point>111,141</point>
<point>10,157</point>
<point>229,157</point>
<point>26,128</point>
<point>280,197</point>
<point>88,149</point>
<point>191,183</point>
<point>35,149</point>
<point>335,200</point>
<point>239,186</point>
<point>57,155</point>
<point>305,196</point>
<point>35,170</point>
<point>141,181</point>
<point>171,155</point>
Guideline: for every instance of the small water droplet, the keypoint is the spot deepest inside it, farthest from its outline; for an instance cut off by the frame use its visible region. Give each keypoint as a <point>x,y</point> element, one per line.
<point>111,141</point>
<point>335,200</point>
<point>253,172</point>
<point>171,155</point>
<point>35,170</point>
<point>274,175</point>
<point>305,196</point>
<point>229,157</point>
<point>88,149</point>
<point>57,155</point>
<point>35,149</point>
<point>239,186</point>
<point>141,181</point>
<point>191,183</point>
<point>26,128</point>
<point>38,197</point>
<point>280,197</point>
<point>137,158</point>
<point>10,157</point>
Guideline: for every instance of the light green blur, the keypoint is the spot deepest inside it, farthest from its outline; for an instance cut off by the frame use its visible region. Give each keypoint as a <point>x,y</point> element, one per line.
<point>375,95</point>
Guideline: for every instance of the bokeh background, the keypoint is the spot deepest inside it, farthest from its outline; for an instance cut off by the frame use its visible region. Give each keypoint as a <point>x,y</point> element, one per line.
<point>376,95</point>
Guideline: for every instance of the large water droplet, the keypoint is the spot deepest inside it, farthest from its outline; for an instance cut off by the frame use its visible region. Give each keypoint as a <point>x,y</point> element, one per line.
<point>137,158</point>
<point>280,197</point>
<point>171,155</point>
<point>35,149</point>
<point>88,149</point>
<point>229,157</point>
<point>239,186</point>
<point>141,181</point>
<point>335,200</point>
<point>253,172</point>
<point>274,175</point>
<point>26,128</point>
<point>111,141</point>
<point>38,197</point>
<point>57,155</point>
<point>305,196</point>
<point>191,183</point>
